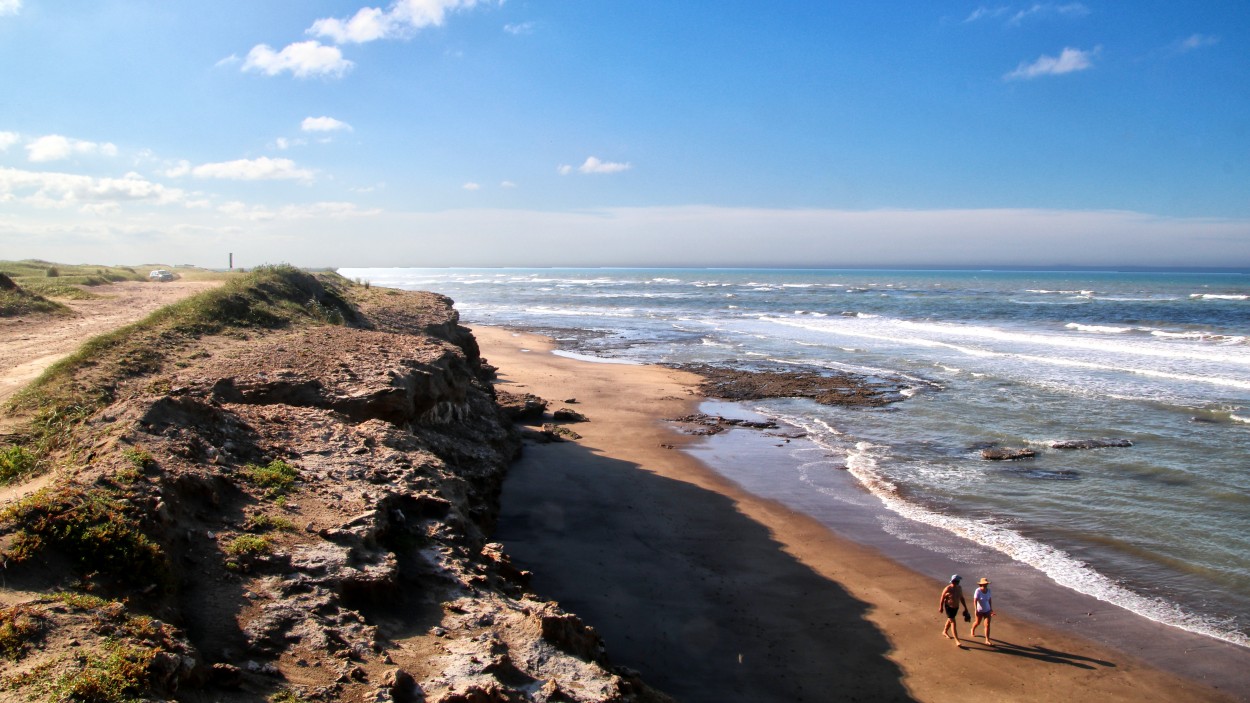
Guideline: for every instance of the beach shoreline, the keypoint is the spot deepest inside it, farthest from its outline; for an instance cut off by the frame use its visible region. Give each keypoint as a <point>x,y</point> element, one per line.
<point>841,601</point>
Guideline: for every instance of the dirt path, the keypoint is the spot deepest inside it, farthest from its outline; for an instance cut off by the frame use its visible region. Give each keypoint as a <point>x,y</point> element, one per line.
<point>31,343</point>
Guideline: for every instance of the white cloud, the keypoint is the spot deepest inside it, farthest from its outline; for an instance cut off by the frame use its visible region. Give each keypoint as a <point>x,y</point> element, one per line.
<point>323,124</point>
<point>982,12</point>
<point>55,147</point>
<point>594,165</point>
<point>8,139</point>
<point>230,60</point>
<point>403,18</point>
<point>178,171</point>
<point>1072,9</point>
<point>509,185</point>
<point>1068,61</point>
<point>564,169</point>
<point>521,28</point>
<point>261,169</point>
<point>302,59</point>
<point>282,143</point>
<point>471,186</point>
<point>60,190</point>
<point>1196,41</point>
<point>10,7</point>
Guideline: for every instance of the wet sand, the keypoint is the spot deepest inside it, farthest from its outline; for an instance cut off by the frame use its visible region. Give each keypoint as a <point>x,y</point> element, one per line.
<point>715,594</point>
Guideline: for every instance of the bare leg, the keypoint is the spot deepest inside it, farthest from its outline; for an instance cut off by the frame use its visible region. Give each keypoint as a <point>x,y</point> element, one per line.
<point>988,620</point>
<point>975,623</point>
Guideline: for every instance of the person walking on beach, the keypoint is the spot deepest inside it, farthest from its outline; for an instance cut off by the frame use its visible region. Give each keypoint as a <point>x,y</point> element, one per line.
<point>952,598</point>
<point>984,608</point>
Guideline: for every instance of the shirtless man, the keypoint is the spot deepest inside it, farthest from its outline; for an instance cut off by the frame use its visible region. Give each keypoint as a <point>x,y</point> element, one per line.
<point>984,608</point>
<point>952,598</point>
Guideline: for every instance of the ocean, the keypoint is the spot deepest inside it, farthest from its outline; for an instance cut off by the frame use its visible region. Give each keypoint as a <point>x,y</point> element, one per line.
<point>1007,358</point>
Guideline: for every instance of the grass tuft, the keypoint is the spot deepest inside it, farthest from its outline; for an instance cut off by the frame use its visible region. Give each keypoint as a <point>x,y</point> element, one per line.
<point>276,478</point>
<point>15,463</point>
<point>260,522</point>
<point>244,551</point>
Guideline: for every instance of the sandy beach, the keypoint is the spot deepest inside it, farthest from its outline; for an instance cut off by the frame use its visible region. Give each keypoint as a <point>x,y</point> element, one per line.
<point>714,594</point>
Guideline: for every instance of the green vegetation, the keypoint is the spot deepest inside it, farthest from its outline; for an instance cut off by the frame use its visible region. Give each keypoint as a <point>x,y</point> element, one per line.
<point>118,674</point>
<point>117,670</point>
<point>15,462</point>
<point>286,695</point>
<point>93,526</point>
<point>269,297</point>
<point>277,477</point>
<point>20,626</point>
<point>245,550</point>
<point>15,300</point>
<point>138,457</point>
<point>260,522</point>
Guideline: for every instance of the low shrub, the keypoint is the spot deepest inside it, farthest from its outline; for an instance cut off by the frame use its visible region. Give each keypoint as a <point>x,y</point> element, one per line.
<point>244,551</point>
<point>260,522</point>
<point>93,527</point>
<point>119,673</point>
<point>16,462</point>
<point>20,627</point>
<point>276,478</point>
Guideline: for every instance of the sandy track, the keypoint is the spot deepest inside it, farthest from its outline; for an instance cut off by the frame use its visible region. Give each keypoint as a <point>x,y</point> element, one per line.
<point>31,343</point>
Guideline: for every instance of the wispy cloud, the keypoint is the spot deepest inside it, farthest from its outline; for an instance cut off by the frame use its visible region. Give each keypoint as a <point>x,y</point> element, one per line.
<point>507,185</point>
<point>593,164</point>
<point>1072,9</point>
<point>261,169</point>
<point>1068,61</point>
<point>984,12</point>
<point>520,28</point>
<point>471,186</point>
<point>402,19</point>
<point>1016,17</point>
<point>10,7</point>
<point>8,139</point>
<point>1196,41</point>
<point>282,143</point>
<point>55,147</point>
<point>302,59</point>
<point>323,124</point>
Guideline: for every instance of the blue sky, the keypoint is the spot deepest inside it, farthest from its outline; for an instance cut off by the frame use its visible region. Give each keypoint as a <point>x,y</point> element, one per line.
<point>594,132</point>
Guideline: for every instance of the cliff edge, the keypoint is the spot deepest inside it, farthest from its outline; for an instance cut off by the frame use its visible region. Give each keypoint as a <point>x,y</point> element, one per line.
<point>283,490</point>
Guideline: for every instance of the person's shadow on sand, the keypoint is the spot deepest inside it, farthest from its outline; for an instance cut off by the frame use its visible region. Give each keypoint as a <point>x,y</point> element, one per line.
<point>1040,653</point>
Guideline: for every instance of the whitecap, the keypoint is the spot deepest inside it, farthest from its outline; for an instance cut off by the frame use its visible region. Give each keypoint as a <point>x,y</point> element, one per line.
<point>1100,329</point>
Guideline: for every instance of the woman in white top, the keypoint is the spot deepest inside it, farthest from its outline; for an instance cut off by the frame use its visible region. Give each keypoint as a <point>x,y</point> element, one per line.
<point>984,608</point>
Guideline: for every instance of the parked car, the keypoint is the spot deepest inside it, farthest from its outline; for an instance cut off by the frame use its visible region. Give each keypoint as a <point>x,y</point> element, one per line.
<point>160,275</point>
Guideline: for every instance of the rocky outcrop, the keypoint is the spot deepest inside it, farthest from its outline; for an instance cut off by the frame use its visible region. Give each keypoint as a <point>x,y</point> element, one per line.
<point>1007,453</point>
<point>322,499</point>
<point>824,388</point>
<point>1090,443</point>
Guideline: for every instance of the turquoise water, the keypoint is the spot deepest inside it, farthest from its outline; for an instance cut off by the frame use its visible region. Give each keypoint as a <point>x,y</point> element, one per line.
<point>1018,358</point>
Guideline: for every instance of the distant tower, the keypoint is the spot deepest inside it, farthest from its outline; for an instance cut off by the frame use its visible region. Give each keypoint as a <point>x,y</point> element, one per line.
<point>231,261</point>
